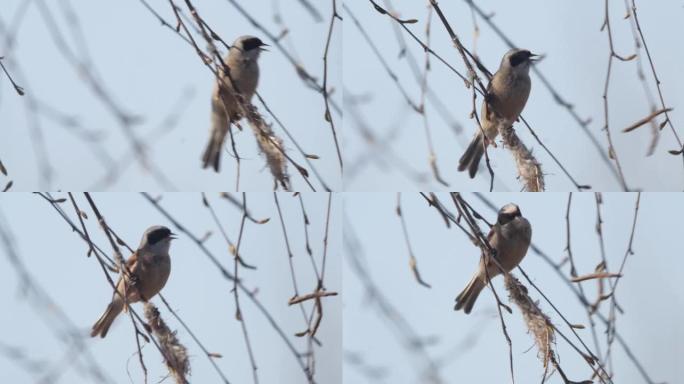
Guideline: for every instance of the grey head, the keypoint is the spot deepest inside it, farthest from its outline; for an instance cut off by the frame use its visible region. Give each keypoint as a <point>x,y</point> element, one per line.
<point>156,238</point>
<point>248,47</point>
<point>508,213</point>
<point>518,60</point>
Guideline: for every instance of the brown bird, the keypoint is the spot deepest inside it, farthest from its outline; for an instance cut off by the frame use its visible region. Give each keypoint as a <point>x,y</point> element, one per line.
<point>225,109</point>
<point>510,237</point>
<point>507,94</point>
<point>149,269</point>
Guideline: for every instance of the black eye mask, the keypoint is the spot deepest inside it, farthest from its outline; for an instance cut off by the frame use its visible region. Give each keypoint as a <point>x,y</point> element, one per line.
<point>506,217</point>
<point>519,58</point>
<point>251,43</point>
<point>158,235</point>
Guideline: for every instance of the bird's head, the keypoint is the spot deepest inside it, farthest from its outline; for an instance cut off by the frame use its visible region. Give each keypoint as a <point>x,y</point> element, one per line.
<point>157,238</point>
<point>508,213</point>
<point>249,47</point>
<point>519,60</point>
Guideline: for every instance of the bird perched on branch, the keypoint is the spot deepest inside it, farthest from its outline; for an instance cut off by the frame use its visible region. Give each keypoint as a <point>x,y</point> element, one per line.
<point>225,107</point>
<point>506,96</point>
<point>509,238</point>
<point>145,274</point>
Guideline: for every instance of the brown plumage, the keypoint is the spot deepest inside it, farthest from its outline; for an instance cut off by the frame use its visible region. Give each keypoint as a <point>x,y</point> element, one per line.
<point>507,94</point>
<point>149,268</point>
<point>225,109</point>
<point>510,237</point>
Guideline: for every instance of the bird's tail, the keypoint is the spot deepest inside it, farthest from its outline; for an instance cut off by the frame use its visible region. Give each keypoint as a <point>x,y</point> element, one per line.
<point>219,129</point>
<point>466,299</point>
<point>101,326</point>
<point>212,154</point>
<point>472,156</point>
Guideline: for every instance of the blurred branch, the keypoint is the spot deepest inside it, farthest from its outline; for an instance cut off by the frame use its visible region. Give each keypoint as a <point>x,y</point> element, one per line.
<point>230,277</point>
<point>419,109</point>
<point>582,349</point>
<point>471,78</point>
<point>612,152</point>
<point>17,88</point>
<point>668,121</point>
<point>312,10</point>
<point>645,120</point>
<point>101,255</point>
<point>413,263</point>
<point>576,290</point>
<point>51,313</point>
<point>328,115</point>
<point>556,96</point>
<point>405,333</point>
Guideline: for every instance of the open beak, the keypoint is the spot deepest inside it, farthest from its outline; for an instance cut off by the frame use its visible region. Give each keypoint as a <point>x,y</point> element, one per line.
<point>173,236</point>
<point>261,47</point>
<point>535,58</point>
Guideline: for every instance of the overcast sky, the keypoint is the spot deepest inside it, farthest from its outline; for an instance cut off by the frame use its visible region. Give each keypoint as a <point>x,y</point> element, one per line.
<point>152,73</point>
<point>56,259</point>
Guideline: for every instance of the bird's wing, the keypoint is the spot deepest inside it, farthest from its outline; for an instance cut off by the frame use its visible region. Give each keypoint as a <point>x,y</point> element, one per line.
<point>130,276</point>
<point>493,239</point>
<point>490,235</point>
<point>132,263</point>
<point>131,266</point>
<point>489,99</point>
<point>132,269</point>
<point>489,86</point>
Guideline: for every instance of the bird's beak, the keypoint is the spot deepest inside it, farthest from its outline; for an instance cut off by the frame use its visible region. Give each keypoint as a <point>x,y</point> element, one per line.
<point>262,47</point>
<point>535,58</point>
<point>173,236</point>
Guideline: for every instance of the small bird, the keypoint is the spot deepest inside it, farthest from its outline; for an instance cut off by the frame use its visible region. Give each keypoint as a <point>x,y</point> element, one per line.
<point>510,237</point>
<point>506,96</point>
<point>225,108</point>
<point>149,269</point>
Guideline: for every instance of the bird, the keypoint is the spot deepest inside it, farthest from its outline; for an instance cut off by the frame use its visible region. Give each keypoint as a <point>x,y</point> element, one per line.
<point>505,99</point>
<point>510,237</point>
<point>149,268</point>
<point>225,108</point>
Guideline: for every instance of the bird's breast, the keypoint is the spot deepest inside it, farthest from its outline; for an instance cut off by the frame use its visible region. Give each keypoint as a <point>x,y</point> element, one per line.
<point>509,95</point>
<point>513,241</point>
<point>246,75</point>
<point>154,274</point>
